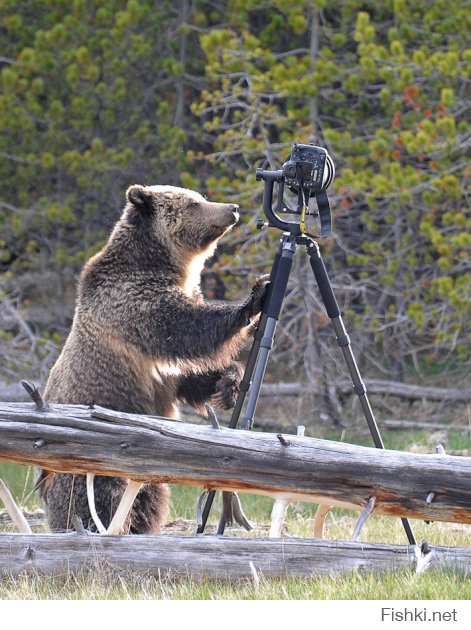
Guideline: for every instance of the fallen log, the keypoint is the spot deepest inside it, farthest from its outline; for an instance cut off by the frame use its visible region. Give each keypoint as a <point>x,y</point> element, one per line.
<point>76,439</point>
<point>375,386</point>
<point>417,425</point>
<point>220,557</point>
<point>15,392</point>
<point>12,392</point>
<point>35,519</point>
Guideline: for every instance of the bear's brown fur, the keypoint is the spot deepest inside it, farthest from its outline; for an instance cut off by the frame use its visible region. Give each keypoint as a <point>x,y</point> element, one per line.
<point>143,338</point>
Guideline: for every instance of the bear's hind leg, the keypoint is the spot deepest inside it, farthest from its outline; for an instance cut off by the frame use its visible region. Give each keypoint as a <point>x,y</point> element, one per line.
<point>65,495</point>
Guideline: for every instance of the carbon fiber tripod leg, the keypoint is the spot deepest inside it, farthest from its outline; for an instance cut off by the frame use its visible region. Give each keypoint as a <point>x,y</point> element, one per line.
<point>343,340</point>
<point>245,384</point>
<point>274,302</point>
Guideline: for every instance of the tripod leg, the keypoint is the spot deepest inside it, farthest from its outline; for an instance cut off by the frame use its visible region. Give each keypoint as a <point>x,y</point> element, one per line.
<point>343,340</point>
<point>206,510</point>
<point>245,384</point>
<point>266,343</point>
<point>273,303</point>
<point>273,310</point>
<point>246,381</point>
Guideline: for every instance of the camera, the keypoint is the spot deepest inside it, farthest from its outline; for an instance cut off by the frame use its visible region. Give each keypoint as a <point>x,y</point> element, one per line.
<point>307,172</point>
<point>308,168</point>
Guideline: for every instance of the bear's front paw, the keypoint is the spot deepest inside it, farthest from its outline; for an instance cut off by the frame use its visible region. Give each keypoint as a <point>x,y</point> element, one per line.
<point>259,291</point>
<point>227,388</point>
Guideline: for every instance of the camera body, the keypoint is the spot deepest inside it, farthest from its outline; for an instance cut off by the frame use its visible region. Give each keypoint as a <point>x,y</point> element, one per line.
<point>309,168</point>
<point>307,172</point>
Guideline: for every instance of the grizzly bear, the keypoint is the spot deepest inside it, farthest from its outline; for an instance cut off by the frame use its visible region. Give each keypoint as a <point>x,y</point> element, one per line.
<point>143,338</point>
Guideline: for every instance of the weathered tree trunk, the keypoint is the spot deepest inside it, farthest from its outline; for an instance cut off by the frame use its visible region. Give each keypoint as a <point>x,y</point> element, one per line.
<point>211,556</point>
<point>76,439</point>
<point>12,392</point>
<point>389,388</point>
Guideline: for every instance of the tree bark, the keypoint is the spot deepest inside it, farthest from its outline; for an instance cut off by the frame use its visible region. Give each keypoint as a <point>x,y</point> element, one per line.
<point>76,439</point>
<point>211,556</point>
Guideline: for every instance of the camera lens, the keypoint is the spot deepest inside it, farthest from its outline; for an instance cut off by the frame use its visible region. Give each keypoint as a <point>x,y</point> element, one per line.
<point>329,172</point>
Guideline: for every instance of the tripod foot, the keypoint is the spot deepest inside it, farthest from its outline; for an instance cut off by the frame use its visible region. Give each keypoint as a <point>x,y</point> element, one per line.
<point>361,521</point>
<point>232,510</point>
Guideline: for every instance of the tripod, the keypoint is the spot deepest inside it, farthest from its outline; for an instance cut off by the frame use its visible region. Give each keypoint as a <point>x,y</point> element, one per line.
<point>263,342</point>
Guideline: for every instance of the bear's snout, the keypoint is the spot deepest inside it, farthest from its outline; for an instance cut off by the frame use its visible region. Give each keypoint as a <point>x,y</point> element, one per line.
<point>221,215</point>
<point>234,208</point>
<point>230,214</point>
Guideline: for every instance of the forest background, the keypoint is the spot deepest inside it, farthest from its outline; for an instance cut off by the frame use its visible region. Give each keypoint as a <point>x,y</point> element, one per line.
<point>98,95</point>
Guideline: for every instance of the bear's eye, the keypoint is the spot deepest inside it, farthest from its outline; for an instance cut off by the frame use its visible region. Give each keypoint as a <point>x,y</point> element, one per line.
<point>193,205</point>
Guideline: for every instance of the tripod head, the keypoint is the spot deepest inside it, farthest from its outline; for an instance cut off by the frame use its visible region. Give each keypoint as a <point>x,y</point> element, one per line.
<point>308,172</point>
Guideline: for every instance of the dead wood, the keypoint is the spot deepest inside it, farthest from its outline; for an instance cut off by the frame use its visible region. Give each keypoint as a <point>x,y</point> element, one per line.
<point>220,557</point>
<point>374,386</point>
<point>76,439</point>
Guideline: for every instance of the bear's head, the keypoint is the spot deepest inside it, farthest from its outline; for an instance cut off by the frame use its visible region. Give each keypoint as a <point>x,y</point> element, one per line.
<point>180,216</point>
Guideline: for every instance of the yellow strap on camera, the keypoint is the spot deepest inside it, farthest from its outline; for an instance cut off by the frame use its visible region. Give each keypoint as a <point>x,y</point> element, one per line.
<point>302,223</point>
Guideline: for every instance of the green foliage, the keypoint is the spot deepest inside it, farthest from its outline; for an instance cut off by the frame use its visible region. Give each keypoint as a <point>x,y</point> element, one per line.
<point>377,84</point>
<point>85,111</point>
<point>97,96</point>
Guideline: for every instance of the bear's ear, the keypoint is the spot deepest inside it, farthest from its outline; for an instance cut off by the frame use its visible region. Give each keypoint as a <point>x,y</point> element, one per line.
<point>140,197</point>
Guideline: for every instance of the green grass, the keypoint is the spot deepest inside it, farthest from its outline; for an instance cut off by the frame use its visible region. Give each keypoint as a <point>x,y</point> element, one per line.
<point>112,583</point>
<point>454,441</point>
<point>19,480</point>
<point>109,584</point>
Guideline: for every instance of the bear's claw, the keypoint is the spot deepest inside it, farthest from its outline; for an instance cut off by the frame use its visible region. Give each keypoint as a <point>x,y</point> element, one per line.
<point>259,291</point>
<point>227,390</point>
